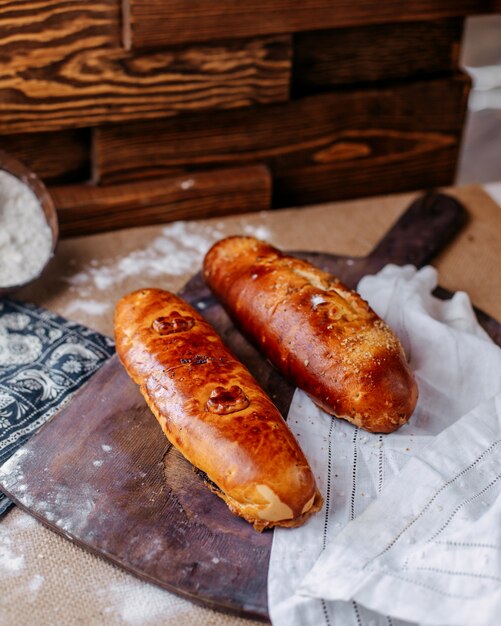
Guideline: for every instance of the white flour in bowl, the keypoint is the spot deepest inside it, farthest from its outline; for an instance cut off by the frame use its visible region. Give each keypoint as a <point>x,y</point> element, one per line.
<point>25,237</point>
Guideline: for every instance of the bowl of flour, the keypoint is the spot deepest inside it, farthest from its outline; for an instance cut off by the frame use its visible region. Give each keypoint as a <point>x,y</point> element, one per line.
<point>28,225</point>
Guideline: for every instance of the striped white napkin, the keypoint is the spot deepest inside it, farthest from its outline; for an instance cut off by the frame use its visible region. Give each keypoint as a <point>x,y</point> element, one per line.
<point>422,544</point>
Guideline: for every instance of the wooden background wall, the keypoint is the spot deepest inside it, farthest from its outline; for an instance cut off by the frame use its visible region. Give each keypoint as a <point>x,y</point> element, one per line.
<point>142,111</point>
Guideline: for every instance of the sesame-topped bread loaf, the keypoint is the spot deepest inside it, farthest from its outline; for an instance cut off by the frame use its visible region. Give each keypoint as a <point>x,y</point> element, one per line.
<point>319,333</point>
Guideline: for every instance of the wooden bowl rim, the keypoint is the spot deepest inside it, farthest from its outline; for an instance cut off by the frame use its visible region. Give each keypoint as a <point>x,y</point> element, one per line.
<point>13,166</point>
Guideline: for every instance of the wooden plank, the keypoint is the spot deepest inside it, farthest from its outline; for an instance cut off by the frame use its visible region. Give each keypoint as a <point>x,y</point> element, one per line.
<point>88,86</point>
<point>382,139</point>
<point>34,38</point>
<point>59,157</point>
<point>89,209</point>
<point>150,23</point>
<point>429,161</point>
<point>375,52</point>
<point>37,30</point>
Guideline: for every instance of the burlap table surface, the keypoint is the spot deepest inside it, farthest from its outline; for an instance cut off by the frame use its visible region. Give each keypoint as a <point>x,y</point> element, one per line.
<point>45,579</point>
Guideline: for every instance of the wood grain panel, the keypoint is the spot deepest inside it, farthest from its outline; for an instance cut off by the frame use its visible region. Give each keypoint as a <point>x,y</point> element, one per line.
<point>336,145</point>
<point>149,23</point>
<point>88,86</point>
<point>37,29</point>
<point>375,52</point>
<point>428,162</point>
<point>59,157</point>
<point>84,209</point>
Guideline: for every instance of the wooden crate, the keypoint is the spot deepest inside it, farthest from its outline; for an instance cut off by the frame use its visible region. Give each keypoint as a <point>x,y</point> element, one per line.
<point>150,23</point>
<point>263,104</point>
<point>92,209</point>
<point>334,145</point>
<point>375,52</point>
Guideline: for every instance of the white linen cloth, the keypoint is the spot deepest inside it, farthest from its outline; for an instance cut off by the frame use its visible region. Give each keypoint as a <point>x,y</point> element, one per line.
<point>428,549</point>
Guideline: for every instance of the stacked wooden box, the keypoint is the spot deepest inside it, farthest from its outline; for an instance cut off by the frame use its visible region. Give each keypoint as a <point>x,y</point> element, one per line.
<point>144,111</point>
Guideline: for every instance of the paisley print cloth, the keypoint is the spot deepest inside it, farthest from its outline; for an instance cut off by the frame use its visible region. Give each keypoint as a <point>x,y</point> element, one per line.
<point>44,359</point>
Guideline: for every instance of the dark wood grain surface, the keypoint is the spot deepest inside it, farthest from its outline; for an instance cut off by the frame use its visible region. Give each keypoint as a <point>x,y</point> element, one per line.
<point>103,474</point>
<point>40,41</point>
<point>345,144</point>
<point>46,28</point>
<point>58,158</point>
<point>150,23</point>
<point>377,52</point>
<point>393,122</point>
<point>90,84</point>
<point>85,209</point>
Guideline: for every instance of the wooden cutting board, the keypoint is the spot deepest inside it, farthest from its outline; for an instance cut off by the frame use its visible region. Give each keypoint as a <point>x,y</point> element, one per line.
<point>102,473</point>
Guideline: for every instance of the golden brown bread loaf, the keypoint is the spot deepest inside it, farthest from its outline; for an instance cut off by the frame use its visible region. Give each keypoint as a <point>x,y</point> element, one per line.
<point>213,411</point>
<point>321,335</point>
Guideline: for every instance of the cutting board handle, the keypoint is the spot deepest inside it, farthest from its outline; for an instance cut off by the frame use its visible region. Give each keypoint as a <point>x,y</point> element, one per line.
<point>427,226</point>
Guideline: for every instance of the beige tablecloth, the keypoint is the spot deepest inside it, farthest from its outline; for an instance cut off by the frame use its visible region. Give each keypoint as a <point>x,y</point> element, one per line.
<point>45,579</point>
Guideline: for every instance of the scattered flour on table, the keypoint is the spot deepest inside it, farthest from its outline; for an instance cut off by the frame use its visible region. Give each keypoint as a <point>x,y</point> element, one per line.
<point>91,307</point>
<point>25,237</point>
<point>178,250</point>
<point>140,604</point>
<point>36,583</point>
<point>23,521</point>
<point>10,562</point>
<point>259,231</point>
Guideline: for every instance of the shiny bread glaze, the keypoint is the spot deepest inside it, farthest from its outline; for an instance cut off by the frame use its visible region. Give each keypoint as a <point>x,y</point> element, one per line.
<point>213,411</point>
<point>319,333</point>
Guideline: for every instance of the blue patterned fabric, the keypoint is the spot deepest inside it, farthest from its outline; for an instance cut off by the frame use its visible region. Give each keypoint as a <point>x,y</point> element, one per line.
<point>44,359</point>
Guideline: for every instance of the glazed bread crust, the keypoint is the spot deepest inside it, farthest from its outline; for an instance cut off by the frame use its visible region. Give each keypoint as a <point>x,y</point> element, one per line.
<point>213,411</point>
<point>319,333</point>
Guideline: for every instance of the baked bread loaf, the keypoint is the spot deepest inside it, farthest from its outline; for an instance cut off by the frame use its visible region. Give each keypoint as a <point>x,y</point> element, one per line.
<point>213,411</point>
<point>319,333</point>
